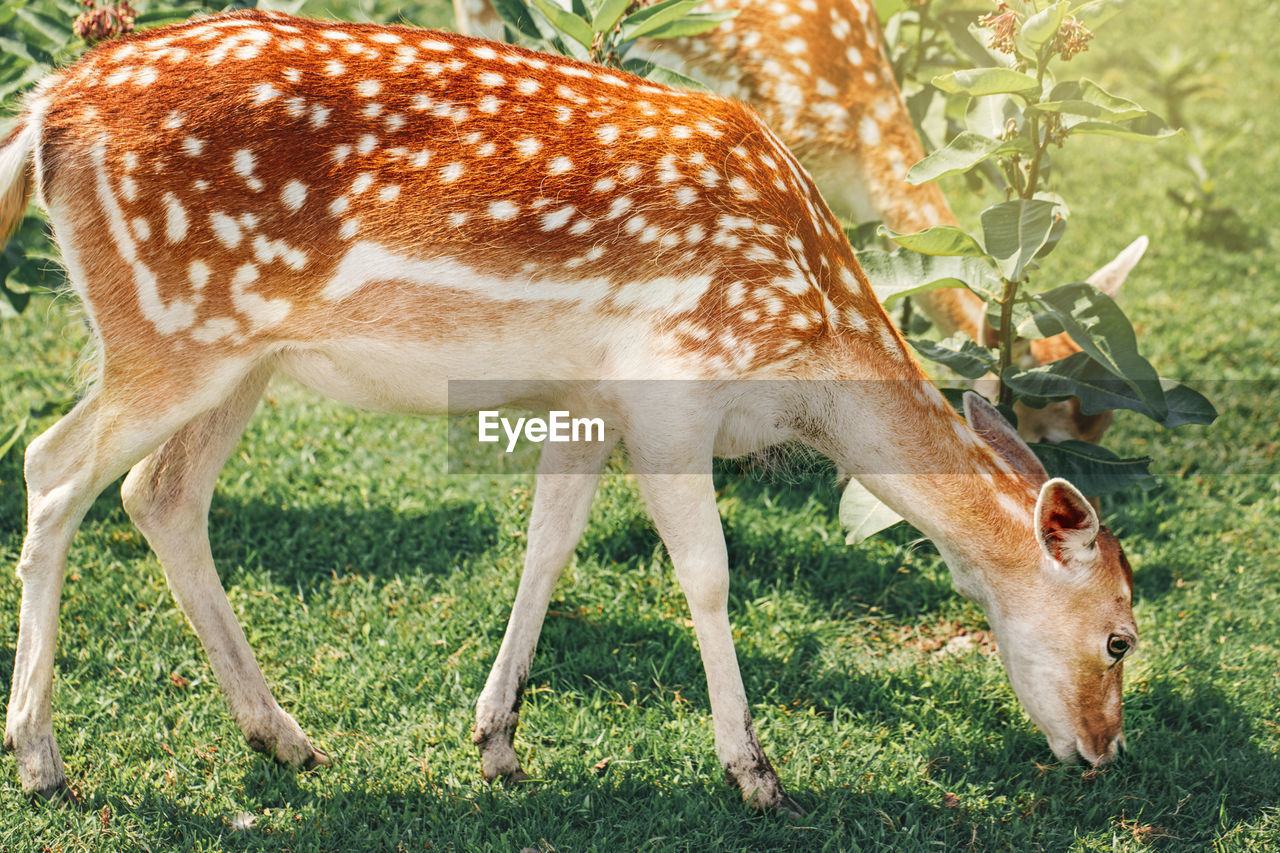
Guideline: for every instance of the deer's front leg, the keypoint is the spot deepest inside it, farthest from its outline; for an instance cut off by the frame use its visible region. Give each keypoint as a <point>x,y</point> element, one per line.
<point>684,508</point>
<point>567,477</point>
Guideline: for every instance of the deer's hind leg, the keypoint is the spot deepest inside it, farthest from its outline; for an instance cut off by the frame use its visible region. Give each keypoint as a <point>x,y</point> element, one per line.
<point>117,423</point>
<point>167,495</point>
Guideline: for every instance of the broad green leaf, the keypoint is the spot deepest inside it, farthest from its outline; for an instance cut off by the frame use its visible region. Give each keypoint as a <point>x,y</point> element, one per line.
<point>1014,231</point>
<point>1088,99</point>
<point>610,12</point>
<point>939,240</point>
<point>55,32</point>
<point>1186,405</point>
<point>1097,12</point>
<point>1097,389</point>
<point>1094,470</point>
<point>1100,328</point>
<point>661,74</point>
<point>1147,128</point>
<point>693,24</point>
<point>516,16</point>
<point>862,514</point>
<point>901,274</point>
<point>567,22</point>
<point>30,52</point>
<point>962,154</point>
<point>975,82</point>
<point>971,360</point>
<point>990,115</point>
<point>886,9</point>
<point>1040,28</point>
<point>166,15</point>
<point>652,17</point>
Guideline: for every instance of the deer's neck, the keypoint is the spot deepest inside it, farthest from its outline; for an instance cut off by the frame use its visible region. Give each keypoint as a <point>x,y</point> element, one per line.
<point>888,426</point>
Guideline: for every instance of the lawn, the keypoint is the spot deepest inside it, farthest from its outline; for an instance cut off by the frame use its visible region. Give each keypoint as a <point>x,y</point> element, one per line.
<point>374,587</point>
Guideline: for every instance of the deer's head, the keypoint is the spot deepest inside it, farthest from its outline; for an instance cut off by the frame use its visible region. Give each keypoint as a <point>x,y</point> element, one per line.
<point>1065,626</point>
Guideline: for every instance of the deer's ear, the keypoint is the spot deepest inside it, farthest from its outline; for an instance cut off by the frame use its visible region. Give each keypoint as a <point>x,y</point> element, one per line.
<point>1066,524</point>
<point>1003,438</point>
<point>1109,278</point>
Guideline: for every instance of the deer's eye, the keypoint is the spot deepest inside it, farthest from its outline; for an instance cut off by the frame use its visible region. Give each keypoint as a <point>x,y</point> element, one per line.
<point>1118,646</point>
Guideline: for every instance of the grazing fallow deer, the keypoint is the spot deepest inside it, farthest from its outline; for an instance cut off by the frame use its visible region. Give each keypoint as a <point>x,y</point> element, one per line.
<point>375,211</point>
<point>817,73</point>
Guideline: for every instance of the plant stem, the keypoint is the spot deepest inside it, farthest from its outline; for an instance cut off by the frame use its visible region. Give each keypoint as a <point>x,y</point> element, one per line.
<point>1006,339</point>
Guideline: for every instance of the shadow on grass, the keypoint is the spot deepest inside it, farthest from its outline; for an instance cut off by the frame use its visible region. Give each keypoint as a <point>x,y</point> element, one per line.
<point>1200,780</point>
<point>303,547</point>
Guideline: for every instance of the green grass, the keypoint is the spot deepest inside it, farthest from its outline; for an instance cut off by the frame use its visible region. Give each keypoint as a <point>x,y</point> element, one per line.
<point>374,587</point>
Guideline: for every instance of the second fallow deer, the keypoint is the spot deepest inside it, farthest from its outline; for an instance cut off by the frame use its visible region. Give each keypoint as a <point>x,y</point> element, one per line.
<point>376,211</point>
<point>817,72</point>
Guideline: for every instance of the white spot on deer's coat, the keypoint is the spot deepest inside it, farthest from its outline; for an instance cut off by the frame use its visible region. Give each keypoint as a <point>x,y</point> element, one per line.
<point>142,228</point>
<point>319,116</point>
<point>334,68</point>
<point>489,104</point>
<point>742,189</point>
<point>192,146</point>
<point>607,134</point>
<point>604,185</point>
<point>503,211</point>
<point>557,218</point>
<point>167,319</point>
<point>484,52</point>
<point>243,162</point>
<point>349,229</point>
<point>293,194</point>
<point>264,92</point>
<point>528,146</point>
<point>432,44</point>
<point>366,144</point>
<point>175,219</point>
<point>261,313</point>
<point>560,165</point>
<point>368,88</point>
<point>389,193</point>
<point>128,188</point>
<point>686,196</point>
<point>363,181</point>
<point>618,207</point>
<point>451,173</point>
<point>869,131</point>
<point>667,171</point>
<point>226,229</point>
<point>339,205</point>
<point>527,86</point>
<point>491,79</point>
<point>198,274</point>
<point>214,329</point>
